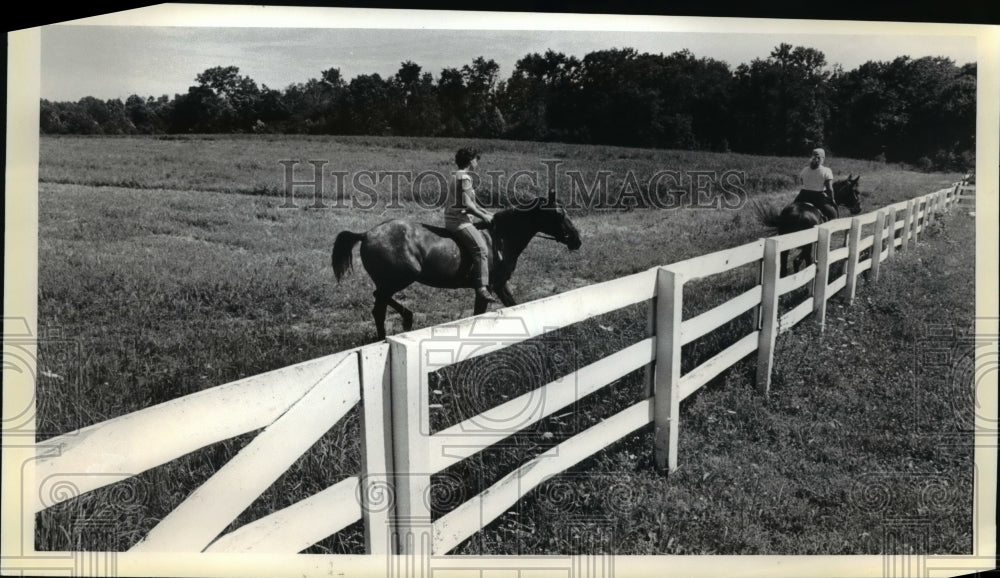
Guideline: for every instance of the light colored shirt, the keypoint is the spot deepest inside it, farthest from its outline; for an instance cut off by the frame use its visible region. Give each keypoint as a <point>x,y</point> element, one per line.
<point>455,213</point>
<point>815,179</point>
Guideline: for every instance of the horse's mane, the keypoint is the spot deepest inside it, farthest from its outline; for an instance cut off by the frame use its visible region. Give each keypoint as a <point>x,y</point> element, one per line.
<point>505,215</point>
<point>844,185</point>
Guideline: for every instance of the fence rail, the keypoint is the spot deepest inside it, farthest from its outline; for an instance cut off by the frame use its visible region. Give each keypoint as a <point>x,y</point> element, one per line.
<point>294,406</point>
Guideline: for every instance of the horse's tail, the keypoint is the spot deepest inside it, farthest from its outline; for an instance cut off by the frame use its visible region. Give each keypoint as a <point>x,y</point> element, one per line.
<point>342,257</point>
<point>770,216</point>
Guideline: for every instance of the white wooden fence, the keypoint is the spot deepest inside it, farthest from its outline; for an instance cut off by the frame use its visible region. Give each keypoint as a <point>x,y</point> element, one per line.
<point>294,406</point>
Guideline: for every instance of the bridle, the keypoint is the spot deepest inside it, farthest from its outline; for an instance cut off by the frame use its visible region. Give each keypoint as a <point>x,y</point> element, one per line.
<point>837,205</point>
<point>548,237</point>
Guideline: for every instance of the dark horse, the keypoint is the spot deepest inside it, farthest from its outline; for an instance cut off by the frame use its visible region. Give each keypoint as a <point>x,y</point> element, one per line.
<point>398,253</point>
<point>805,212</point>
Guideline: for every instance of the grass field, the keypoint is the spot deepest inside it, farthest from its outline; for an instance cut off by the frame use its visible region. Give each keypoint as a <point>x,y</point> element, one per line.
<point>171,266</point>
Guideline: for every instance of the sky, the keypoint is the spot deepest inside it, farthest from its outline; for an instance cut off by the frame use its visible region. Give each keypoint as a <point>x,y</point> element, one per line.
<point>115,61</point>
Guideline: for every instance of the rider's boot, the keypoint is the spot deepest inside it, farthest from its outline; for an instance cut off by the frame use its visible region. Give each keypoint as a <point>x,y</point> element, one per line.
<point>483,294</point>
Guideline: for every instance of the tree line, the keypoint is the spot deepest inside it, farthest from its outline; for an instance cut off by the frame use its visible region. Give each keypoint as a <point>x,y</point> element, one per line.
<point>919,111</point>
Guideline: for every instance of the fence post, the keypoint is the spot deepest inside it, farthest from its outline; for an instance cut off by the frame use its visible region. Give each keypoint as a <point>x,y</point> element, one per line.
<point>756,310</point>
<point>964,198</point>
<point>892,233</point>
<point>768,314</point>
<point>822,274</point>
<point>410,448</point>
<point>649,373</point>
<point>877,244</point>
<point>376,460</point>
<point>853,240</point>
<point>917,221</point>
<point>666,394</point>
<point>907,225</point>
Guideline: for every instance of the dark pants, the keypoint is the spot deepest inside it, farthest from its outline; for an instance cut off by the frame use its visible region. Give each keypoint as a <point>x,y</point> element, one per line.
<point>471,240</point>
<point>819,199</point>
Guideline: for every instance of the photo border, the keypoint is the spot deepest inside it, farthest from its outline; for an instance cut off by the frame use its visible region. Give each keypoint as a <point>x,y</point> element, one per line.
<point>21,290</point>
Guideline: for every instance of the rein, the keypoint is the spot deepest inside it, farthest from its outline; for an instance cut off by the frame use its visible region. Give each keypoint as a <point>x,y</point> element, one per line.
<point>836,206</point>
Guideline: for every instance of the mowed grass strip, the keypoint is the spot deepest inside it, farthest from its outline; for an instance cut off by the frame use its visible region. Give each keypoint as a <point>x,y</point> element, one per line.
<point>256,165</point>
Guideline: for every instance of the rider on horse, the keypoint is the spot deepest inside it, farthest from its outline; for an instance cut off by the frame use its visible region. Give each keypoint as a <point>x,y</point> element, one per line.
<point>461,206</point>
<point>816,181</point>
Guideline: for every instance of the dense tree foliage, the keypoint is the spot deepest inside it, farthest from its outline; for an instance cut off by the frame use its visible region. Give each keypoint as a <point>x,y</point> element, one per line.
<point>782,103</point>
<point>918,111</point>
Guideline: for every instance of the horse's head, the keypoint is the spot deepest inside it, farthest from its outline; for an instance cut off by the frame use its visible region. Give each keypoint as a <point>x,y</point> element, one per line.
<point>553,221</point>
<point>846,193</point>
<point>538,215</point>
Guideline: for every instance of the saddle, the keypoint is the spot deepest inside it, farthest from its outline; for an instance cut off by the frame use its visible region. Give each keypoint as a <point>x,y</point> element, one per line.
<point>816,199</point>
<point>496,242</point>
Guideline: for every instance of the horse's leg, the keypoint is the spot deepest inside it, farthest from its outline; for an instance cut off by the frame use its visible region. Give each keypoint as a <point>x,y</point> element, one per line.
<point>503,292</point>
<point>383,299</point>
<point>378,312</point>
<point>404,312</point>
<point>810,259</point>
<point>801,256</point>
